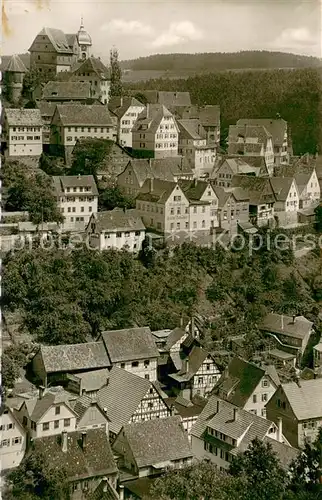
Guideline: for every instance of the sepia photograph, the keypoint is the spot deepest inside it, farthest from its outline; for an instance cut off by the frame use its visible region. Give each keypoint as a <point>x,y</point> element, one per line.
<point>161,250</point>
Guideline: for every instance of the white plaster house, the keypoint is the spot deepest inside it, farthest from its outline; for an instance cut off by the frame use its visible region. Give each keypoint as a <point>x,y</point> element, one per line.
<point>22,132</point>
<point>247,385</point>
<point>118,228</point>
<point>193,145</point>
<point>155,133</point>
<point>13,440</point>
<point>132,349</point>
<point>287,199</point>
<point>309,189</point>
<point>77,197</point>
<point>71,122</point>
<point>92,70</point>
<point>127,110</point>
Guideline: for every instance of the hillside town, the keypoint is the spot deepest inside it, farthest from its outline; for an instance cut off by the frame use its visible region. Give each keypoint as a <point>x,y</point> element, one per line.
<point>126,406</point>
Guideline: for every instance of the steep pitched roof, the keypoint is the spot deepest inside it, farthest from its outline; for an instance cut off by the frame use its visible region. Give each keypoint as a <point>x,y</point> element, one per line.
<point>209,115</point>
<point>64,358</point>
<point>130,344</point>
<point>305,399</point>
<point>280,323</point>
<point>174,99</point>
<point>15,65</point>
<point>104,491</point>
<point>81,405</point>
<point>285,453</point>
<point>71,39</point>
<point>160,193</point>
<point>23,117</point>
<point>118,220</point>
<point>66,90</point>
<point>193,361</point>
<point>159,440</point>
<point>47,109</point>
<point>70,181</point>
<point>277,128</point>
<point>95,460</point>
<point>240,379</point>
<point>78,114</point>
<point>57,38</point>
<point>193,128</point>
<point>93,380</point>
<point>259,188</point>
<point>121,397</point>
<point>166,169</point>
<point>281,187</point>
<point>174,336</point>
<point>93,65</point>
<point>193,189</point>
<point>151,118</point>
<point>222,195</point>
<point>47,401</point>
<point>120,105</point>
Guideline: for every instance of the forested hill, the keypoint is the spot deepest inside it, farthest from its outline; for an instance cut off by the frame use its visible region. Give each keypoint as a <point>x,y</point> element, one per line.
<point>220,61</point>
<point>295,95</point>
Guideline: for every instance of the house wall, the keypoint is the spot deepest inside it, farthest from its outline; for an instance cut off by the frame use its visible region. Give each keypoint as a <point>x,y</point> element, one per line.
<point>78,206</point>
<point>122,447</point>
<point>224,175</point>
<point>176,211</point>
<point>128,183</point>
<point>66,422</point>
<point>279,407</point>
<point>311,193</point>
<point>210,196</point>
<point>44,57</point>
<point>308,430</point>
<point>13,441</point>
<point>72,134</point>
<point>281,155</point>
<point>205,378</point>
<point>202,451</point>
<point>153,214</point>
<point>126,124</point>
<point>260,397</point>
<point>187,424</point>
<point>99,86</point>
<point>166,138</point>
<point>131,240</point>
<point>38,368</point>
<point>152,406</point>
<point>204,160</point>
<point>231,212</point>
<point>92,419</point>
<point>80,490</point>
<point>317,355</point>
<point>23,141</point>
<point>146,368</point>
<point>269,156</point>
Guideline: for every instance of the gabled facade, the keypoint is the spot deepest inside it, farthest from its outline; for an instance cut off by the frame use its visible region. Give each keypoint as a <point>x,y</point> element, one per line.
<point>309,189</point>
<point>13,440</point>
<point>92,70</point>
<point>21,132</point>
<point>235,166</point>
<point>90,415</point>
<point>193,145</point>
<point>50,52</point>
<point>299,407</point>
<point>287,199</point>
<point>155,133</point>
<point>117,229</point>
<point>209,117</point>
<point>127,111</point>
<point>233,207</point>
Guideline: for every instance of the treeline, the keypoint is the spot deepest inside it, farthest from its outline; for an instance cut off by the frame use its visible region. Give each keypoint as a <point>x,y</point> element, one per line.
<point>221,61</point>
<point>295,95</point>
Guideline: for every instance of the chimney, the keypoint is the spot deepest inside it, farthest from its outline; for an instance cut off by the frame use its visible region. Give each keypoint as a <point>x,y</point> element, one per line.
<point>121,492</point>
<point>181,321</point>
<point>147,110</point>
<point>41,391</point>
<point>104,481</point>
<point>151,184</point>
<point>121,101</point>
<point>294,318</point>
<point>279,430</point>
<point>187,365</point>
<point>195,180</point>
<point>83,440</point>
<point>64,441</point>
<point>107,381</point>
<point>79,176</point>
<point>235,417</point>
<point>150,162</point>
<point>172,410</point>
<point>282,319</point>
<point>218,406</point>
<point>192,326</point>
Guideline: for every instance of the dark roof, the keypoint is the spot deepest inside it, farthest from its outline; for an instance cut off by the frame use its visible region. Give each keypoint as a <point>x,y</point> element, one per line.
<point>72,357</point>
<point>24,117</point>
<point>57,38</point>
<point>222,195</point>
<point>194,361</point>
<point>159,440</point>
<point>259,188</point>
<point>305,398</point>
<point>15,65</point>
<point>81,405</point>
<point>192,128</point>
<point>120,105</point>
<point>174,99</point>
<point>79,114</point>
<point>118,220</point>
<point>240,379</point>
<point>151,117</point>
<point>130,344</point>
<point>279,323</point>
<point>186,408</point>
<point>174,336</point>
<point>166,169</point>
<point>93,65</point>
<point>96,460</point>
<point>277,128</point>
<point>285,453</point>
<point>208,115</point>
<point>66,90</point>
<point>70,181</point>
<point>47,401</point>
<point>71,38</point>
<point>93,380</point>
<point>281,187</point>
<point>193,190</point>
<point>122,396</point>
<point>46,108</point>
<point>104,491</point>
<point>160,193</point>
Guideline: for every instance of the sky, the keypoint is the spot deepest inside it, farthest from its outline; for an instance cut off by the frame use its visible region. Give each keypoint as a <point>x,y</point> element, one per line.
<point>143,27</point>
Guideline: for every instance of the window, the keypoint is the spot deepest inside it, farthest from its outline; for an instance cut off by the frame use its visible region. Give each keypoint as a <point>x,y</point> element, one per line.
<point>264,383</point>
<point>135,364</point>
<point>146,363</point>
<point>45,426</point>
<point>16,440</point>
<point>203,224</point>
<point>178,211</point>
<point>57,410</point>
<point>137,233</point>
<point>5,442</point>
<point>122,365</point>
<point>89,129</point>
<point>254,398</point>
<point>118,234</point>
<point>178,225</point>
<point>194,210</point>
<point>264,412</point>
<point>56,424</point>
<point>203,209</point>
<point>200,380</point>
<point>264,397</point>
<point>66,422</point>
<point>82,209</point>
<point>172,211</point>
<point>147,376</point>
<point>10,426</point>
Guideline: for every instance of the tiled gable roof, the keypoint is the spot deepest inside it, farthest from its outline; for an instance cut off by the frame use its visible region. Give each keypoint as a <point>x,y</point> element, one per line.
<point>47,401</point>
<point>160,193</point>
<point>93,65</point>
<point>118,220</point>
<point>93,380</point>
<point>15,65</point>
<point>222,195</point>
<point>58,40</point>
<point>120,105</point>
<point>130,344</point>
<point>121,397</point>
<point>259,188</point>
<point>166,169</point>
<point>70,181</point>
<point>174,99</point>
<point>71,39</point>
<point>239,381</point>
<point>66,90</point>
<point>151,117</point>
<point>23,117</point>
<point>305,398</point>
<point>279,323</point>
<point>192,128</point>
<point>277,128</point>
<point>64,358</point>
<point>83,403</point>
<point>281,187</point>
<point>95,460</point>
<point>285,453</point>
<point>47,109</point>
<point>193,190</point>
<point>209,115</point>
<point>194,361</point>
<point>156,441</point>
<point>174,336</point>
<point>104,491</point>
<point>84,115</point>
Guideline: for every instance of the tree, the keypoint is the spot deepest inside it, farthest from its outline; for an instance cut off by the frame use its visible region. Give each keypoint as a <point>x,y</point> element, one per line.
<point>36,478</point>
<point>318,218</point>
<point>9,371</point>
<point>112,197</point>
<point>306,469</point>
<point>260,472</point>
<point>7,87</point>
<point>116,88</point>
<point>89,155</point>
<point>33,79</point>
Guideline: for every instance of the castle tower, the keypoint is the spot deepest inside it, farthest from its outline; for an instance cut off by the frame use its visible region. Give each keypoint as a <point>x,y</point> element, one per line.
<point>84,43</point>
<point>13,77</point>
